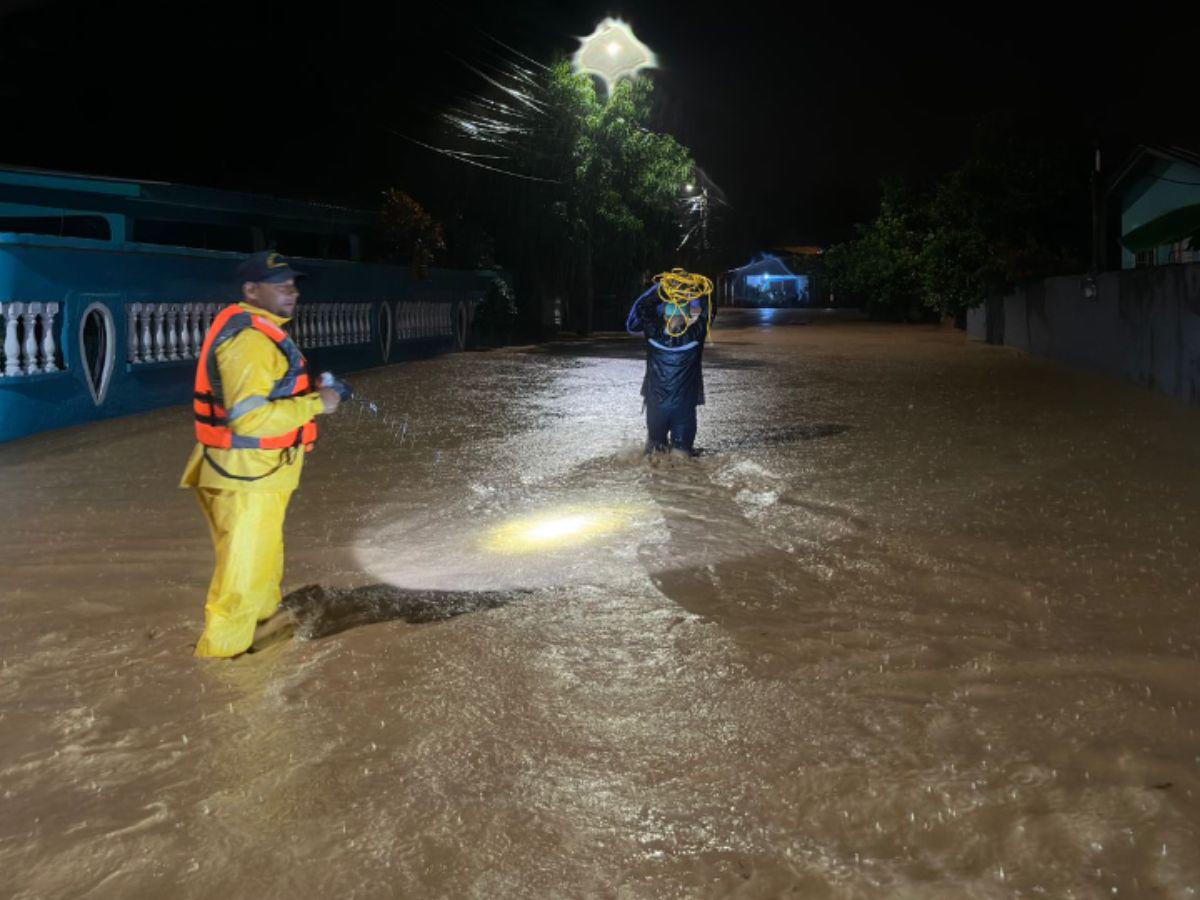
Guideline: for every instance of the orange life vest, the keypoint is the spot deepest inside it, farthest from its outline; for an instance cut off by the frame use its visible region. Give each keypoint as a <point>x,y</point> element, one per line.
<point>212,419</point>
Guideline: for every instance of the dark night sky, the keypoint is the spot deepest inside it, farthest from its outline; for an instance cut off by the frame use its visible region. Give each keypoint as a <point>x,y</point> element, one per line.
<point>796,115</point>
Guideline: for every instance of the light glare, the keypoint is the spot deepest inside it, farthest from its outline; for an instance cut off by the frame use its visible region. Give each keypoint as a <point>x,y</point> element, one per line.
<point>559,528</point>
<point>613,52</point>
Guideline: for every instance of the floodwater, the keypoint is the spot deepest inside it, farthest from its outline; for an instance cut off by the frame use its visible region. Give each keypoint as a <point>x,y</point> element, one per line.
<point>923,622</point>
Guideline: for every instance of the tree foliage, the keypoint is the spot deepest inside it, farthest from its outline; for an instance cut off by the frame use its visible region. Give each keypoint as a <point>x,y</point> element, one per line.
<point>406,232</point>
<point>1016,209</point>
<point>597,202</point>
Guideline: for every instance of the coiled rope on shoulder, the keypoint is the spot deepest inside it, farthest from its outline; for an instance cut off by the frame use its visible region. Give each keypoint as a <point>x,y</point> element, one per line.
<point>678,289</point>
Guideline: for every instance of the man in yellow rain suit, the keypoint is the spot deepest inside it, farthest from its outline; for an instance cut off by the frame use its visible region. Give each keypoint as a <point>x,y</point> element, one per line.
<point>254,409</point>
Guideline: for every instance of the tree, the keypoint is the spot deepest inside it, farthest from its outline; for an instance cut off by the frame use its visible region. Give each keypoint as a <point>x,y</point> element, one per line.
<point>407,233</point>
<point>1015,209</point>
<point>591,197</point>
<point>881,268</point>
<point>614,203</point>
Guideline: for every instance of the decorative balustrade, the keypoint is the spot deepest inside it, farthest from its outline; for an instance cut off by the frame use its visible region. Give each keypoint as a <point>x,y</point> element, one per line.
<point>167,332</point>
<point>331,324</point>
<point>174,332</point>
<point>423,319</point>
<point>27,334</point>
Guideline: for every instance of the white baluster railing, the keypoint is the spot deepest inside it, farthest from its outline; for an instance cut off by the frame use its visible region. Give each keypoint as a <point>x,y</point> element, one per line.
<point>146,334</point>
<point>170,323</point>
<point>29,352</point>
<point>133,341</point>
<point>12,347</point>
<point>198,331</point>
<point>27,344</point>
<point>184,345</point>
<point>314,325</point>
<point>49,347</point>
<point>157,314</point>
<point>166,332</point>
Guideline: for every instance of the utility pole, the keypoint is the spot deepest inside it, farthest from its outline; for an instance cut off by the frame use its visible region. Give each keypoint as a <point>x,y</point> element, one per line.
<point>1090,288</point>
<point>1097,214</point>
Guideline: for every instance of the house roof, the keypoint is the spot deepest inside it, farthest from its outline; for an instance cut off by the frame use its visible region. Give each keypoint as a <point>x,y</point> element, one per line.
<point>1172,226</point>
<point>1146,153</point>
<point>767,263</point>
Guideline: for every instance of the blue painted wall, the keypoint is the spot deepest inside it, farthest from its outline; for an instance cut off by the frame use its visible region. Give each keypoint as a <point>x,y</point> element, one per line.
<point>78,273</point>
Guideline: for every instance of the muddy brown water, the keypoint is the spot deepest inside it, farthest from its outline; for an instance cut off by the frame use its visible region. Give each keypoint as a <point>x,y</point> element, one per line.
<point>923,621</point>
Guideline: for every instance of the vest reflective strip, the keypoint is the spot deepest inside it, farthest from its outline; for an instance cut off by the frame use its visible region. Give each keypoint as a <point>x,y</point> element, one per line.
<point>248,405</point>
<point>687,346</point>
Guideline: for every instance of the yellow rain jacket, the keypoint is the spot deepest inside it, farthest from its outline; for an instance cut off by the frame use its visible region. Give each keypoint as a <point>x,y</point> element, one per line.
<point>250,365</point>
<point>246,518</point>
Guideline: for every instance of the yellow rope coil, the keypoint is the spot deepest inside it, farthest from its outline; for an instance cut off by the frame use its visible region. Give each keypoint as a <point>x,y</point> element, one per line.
<point>677,289</point>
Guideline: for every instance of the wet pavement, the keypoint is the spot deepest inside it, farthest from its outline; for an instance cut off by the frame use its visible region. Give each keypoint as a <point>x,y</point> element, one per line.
<point>923,620</point>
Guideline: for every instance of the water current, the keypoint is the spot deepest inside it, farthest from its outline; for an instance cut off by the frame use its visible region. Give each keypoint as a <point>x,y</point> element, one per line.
<point>923,620</point>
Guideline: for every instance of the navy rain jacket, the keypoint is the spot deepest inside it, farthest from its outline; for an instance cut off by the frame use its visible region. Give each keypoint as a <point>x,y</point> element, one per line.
<point>673,374</point>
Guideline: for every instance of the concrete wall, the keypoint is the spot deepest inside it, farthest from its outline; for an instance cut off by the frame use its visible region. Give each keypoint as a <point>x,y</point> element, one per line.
<point>1143,326</point>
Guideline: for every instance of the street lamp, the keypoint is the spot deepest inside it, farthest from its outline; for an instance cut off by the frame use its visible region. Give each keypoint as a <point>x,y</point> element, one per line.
<point>613,52</point>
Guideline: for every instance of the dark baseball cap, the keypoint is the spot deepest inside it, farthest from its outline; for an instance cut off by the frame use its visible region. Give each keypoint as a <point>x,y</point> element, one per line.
<point>266,265</point>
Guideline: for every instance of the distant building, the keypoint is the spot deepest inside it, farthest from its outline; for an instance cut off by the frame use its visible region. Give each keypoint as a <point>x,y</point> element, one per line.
<point>1157,193</point>
<point>783,276</point>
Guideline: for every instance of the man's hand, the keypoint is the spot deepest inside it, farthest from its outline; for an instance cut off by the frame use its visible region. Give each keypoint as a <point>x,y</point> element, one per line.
<point>331,398</point>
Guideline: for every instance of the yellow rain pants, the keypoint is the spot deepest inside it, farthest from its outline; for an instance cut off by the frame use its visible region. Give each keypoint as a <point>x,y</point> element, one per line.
<point>245,513</point>
<point>247,535</point>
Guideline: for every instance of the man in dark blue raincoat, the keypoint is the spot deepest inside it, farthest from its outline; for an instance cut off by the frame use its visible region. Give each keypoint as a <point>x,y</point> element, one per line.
<point>674,383</point>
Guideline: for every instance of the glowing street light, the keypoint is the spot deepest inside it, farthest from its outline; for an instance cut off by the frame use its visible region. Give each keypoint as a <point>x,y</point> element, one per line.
<point>613,52</point>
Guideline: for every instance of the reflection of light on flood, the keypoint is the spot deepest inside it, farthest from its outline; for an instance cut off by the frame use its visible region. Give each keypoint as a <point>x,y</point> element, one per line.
<point>559,528</point>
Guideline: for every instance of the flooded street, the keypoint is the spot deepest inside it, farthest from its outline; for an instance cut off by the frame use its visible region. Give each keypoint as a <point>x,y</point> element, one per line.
<point>922,621</point>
